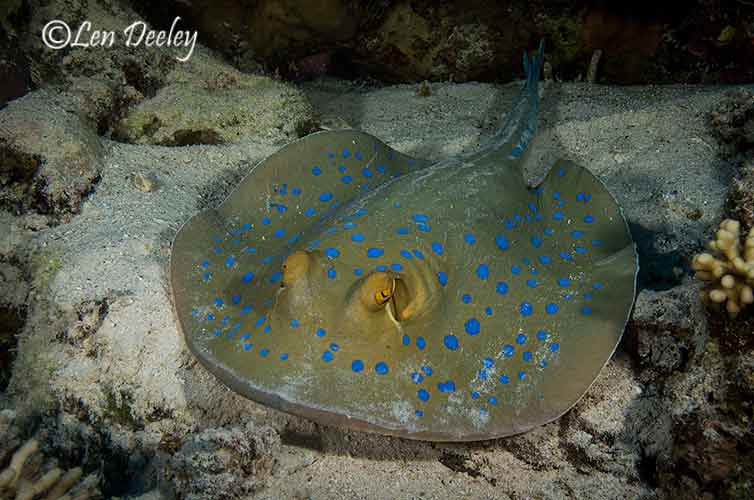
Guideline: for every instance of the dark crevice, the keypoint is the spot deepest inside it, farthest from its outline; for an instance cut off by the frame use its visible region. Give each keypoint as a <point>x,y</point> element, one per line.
<point>657,270</point>
<point>459,463</point>
<point>14,280</point>
<point>647,468</point>
<point>292,437</point>
<point>12,322</point>
<point>196,137</point>
<point>87,444</point>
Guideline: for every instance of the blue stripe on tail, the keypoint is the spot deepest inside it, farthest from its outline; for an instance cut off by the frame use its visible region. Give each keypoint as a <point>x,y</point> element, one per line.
<point>513,137</point>
<point>530,98</point>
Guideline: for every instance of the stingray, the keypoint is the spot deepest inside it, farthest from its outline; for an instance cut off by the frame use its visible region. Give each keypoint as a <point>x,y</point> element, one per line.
<point>353,285</point>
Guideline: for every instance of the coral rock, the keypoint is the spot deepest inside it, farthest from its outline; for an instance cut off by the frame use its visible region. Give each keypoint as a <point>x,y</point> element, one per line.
<point>225,462</point>
<point>49,159</point>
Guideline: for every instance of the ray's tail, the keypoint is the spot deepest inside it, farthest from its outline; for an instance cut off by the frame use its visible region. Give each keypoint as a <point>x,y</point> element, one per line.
<point>529,107</point>
<point>520,122</point>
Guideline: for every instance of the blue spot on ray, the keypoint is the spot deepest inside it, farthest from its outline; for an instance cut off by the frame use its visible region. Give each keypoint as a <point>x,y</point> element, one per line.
<point>451,342</point>
<point>483,271</point>
<point>472,326</point>
<point>447,386</point>
<point>526,309</point>
<point>502,242</point>
<point>332,252</point>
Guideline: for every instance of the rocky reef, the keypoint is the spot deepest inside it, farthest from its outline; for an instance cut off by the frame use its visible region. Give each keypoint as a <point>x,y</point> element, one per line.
<point>414,40</point>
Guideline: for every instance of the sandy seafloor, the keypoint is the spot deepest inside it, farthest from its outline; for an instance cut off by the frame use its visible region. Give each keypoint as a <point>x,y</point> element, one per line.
<point>651,147</point>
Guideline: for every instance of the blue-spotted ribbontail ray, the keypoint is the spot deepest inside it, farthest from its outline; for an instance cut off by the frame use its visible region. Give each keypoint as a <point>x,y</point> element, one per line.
<point>353,285</point>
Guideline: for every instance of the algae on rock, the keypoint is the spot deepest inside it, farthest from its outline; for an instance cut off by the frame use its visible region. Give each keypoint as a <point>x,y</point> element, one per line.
<point>207,102</point>
<point>49,158</point>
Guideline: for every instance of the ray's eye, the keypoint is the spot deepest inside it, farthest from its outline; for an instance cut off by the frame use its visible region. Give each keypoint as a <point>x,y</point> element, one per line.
<point>383,296</point>
<point>376,290</point>
<point>295,267</point>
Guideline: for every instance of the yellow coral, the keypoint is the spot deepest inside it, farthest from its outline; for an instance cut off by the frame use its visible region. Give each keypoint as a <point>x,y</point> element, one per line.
<point>728,270</point>
<point>22,478</point>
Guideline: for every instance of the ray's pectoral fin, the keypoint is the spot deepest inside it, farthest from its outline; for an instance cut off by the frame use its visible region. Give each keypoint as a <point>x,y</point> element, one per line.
<point>572,195</point>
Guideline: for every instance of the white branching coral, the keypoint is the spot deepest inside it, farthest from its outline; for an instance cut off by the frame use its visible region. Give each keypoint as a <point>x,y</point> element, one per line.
<point>729,269</point>
<point>29,476</point>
